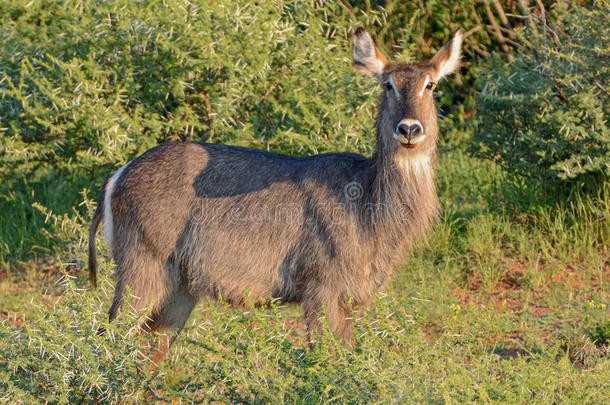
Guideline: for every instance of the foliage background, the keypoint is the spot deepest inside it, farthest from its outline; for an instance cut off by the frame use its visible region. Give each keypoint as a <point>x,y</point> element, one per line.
<point>545,115</point>
<point>506,301</point>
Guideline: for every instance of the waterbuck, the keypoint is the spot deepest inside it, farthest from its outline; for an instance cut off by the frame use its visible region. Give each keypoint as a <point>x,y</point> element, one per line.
<point>186,220</point>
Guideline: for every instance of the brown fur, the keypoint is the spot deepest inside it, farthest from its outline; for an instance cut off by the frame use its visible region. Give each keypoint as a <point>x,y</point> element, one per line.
<point>192,220</point>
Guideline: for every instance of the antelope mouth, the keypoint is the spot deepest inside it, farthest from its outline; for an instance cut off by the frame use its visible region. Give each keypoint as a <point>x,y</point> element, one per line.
<point>411,143</point>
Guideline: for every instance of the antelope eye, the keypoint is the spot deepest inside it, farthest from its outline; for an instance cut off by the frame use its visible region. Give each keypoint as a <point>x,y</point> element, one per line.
<point>388,86</point>
<point>430,85</point>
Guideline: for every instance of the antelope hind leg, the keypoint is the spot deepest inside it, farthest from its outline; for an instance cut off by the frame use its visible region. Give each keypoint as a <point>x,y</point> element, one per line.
<point>170,315</point>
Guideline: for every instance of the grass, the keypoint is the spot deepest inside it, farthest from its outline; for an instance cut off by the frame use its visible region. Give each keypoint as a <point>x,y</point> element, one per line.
<point>507,302</point>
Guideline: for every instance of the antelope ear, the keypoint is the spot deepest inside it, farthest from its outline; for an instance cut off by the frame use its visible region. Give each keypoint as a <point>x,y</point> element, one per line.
<point>367,57</point>
<point>447,59</point>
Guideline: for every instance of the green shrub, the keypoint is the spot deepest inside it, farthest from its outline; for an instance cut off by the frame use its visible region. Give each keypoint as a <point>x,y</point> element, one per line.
<point>98,82</point>
<point>428,25</point>
<point>601,333</point>
<point>545,115</point>
<point>102,81</point>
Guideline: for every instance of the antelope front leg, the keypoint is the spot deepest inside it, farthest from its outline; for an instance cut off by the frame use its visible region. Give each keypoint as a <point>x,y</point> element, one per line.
<point>159,349</point>
<point>337,311</point>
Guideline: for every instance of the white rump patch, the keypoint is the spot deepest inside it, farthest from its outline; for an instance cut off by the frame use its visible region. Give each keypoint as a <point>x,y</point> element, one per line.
<point>108,206</point>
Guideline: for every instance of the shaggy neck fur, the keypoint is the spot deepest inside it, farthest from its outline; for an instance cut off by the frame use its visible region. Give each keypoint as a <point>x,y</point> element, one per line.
<point>402,186</point>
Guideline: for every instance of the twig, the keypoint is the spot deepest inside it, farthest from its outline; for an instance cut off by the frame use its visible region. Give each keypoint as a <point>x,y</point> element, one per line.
<point>542,10</point>
<point>421,299</point>
<point>472,31</point>
<point>525,10</point>
<point>478,20</point>
<point>349,10</point>
<point>503,19</point>
<point>600,86</point>
<point>508,41</point>
<point>497,31</point>
<point>547,22</point>
<point>521,17</point>
<point>268,92</point>
<point>205,96</point>
<point>481,51</point>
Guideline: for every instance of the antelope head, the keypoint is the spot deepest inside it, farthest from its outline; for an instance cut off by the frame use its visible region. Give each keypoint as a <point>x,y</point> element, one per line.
<point>407,122</point>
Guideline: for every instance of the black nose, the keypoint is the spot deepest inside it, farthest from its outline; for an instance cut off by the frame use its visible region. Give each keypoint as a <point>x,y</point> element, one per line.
<point>410,131</point>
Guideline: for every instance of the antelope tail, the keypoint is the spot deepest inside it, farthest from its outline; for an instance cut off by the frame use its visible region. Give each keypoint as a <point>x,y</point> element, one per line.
<point>97,217</point>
